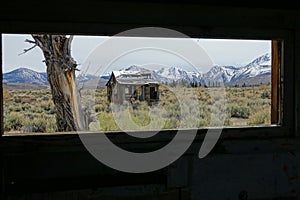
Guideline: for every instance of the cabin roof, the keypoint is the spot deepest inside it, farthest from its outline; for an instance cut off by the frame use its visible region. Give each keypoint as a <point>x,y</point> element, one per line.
<point>130,74</point>
<point>134,81</point>
<point>133,77</point>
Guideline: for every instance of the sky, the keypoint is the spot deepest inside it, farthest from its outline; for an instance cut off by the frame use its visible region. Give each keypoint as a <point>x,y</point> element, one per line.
<point>98,54</point>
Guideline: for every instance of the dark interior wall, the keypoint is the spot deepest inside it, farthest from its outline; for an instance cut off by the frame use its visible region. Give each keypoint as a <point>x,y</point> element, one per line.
<point>110,17</point>
<point>255,164</point>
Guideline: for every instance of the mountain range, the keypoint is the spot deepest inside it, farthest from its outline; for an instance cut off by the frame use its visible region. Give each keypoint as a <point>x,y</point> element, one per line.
<point>25,75</point>
<point>258,68</point>
<point>256,72</point>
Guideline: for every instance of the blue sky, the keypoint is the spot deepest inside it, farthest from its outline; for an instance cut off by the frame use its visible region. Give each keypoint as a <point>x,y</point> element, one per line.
<point>92,50</point>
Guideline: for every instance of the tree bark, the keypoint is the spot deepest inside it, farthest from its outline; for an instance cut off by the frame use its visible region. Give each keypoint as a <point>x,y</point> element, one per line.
<point>61,76</point>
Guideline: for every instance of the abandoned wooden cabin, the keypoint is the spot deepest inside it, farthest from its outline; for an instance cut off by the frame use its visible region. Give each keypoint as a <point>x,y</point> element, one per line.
<point>132,85</point>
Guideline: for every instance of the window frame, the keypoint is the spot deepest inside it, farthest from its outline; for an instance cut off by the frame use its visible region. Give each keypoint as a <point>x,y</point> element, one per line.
<point>286,126</point>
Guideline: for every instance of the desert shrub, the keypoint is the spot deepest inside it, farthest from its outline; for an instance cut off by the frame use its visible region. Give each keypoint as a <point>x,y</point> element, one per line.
<point>16,108</point>
<point>51,124</point>
<point>261,117</point>
<point>240,111</point>
<point>98,108</point>
<point>25,107</point>
<point>266,94</point>
<point>205,98</point>
<point>216,122</point>
<point>255,103</point>
<point>45,105</point>
<point>17,100</point>
<point>34,127</point>
<point>140,117</point>
<point>106,123</point>
<point>6,94</point>
<point>45,98</point>
<point>13,121</point>
<point>171,123</point>
<point>227,121</point>
<point>203,123</point>
<point>100,96</point>
<point>39,124</point>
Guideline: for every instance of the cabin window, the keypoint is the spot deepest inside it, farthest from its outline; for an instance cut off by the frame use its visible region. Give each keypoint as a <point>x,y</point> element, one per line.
<point>240,85</point>
<point>153,92</point>
<point>127,90</point>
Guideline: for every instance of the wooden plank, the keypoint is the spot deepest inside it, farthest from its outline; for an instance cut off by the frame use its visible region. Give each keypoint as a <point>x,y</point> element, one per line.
<point>297,82</point>
<point>1,94</point>
<point>275,82</point>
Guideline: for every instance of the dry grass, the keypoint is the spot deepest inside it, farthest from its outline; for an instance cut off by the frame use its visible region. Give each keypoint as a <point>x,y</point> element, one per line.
<point>179,107</point>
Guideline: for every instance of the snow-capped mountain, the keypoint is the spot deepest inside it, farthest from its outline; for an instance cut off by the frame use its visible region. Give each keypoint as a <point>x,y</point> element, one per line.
<point>24,75</point>
<point>136,68</point>
<point>220,74</point>
<point>258,67</point>
<point>132,68</point>
<point>255,70</point>
<point>85,77</point>
<point>175,74</point>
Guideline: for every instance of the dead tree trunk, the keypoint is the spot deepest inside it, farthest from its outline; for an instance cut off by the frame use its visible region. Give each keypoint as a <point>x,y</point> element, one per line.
<point>61,76</point>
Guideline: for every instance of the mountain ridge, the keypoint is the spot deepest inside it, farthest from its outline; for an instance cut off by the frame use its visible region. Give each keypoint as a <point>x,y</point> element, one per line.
<point>258,69</point>
<point>25,75</point>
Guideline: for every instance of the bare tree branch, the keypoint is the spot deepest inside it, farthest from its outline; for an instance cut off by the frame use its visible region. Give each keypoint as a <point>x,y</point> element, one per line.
<point>26,50</point>
<point>30,41</point>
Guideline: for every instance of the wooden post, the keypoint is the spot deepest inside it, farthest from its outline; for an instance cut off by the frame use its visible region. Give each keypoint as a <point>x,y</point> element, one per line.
<point>275,85</point>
